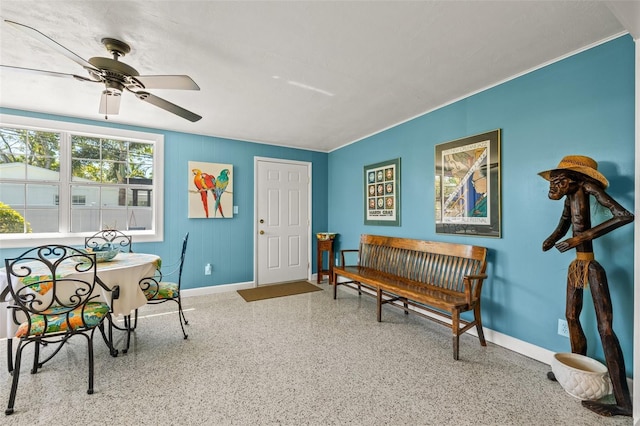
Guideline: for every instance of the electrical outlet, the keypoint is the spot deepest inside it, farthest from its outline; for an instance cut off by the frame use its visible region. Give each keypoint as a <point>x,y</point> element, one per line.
<point>207,269</point>
<point>563,328</point>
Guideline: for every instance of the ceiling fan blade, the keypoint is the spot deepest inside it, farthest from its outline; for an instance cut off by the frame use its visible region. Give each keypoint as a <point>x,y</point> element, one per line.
<point>110,102</point>
<point>51,43</point>
<point>48,73</point>
<point>179,82</point>
<point>168,106</point>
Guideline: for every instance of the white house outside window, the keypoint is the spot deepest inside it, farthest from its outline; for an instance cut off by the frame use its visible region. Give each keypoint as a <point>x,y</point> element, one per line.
<point>66,180</point>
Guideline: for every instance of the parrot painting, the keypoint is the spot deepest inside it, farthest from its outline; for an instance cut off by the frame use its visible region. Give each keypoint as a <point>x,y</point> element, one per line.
<point>221,183</point>
<point>204,182</point>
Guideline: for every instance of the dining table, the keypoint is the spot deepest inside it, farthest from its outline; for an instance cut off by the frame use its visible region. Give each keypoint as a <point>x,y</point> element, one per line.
<point>124,270</point>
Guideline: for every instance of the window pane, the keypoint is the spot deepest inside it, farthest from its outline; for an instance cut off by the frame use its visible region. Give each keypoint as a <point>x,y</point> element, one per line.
<point>141,160</point>
<point>85,147</point>
<point>85,208</point>
<point>114,150</point>
<point>29,154</point>
<point>86,170</point>
<point>139,197</point>
<point>114,197</point>
<point>140,149</point>
<point>143,171</point>
<point>13,142</point>
<point>42,196</point>
<point>114,219</point>
<point>114,165</point>
<point>13,170</point>
<point>43,150</point>
<point>12,220</point>
<point>44,168</point>
<point>12,194</point>
<point>114,172</point>
<point>43,219</point>
<point>91,195</point>
<point>13,154</point>
<point>42,209</point>
<point>140,219</point>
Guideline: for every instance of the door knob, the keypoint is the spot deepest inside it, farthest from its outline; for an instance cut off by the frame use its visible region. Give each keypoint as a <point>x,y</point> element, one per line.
<point>261,232</point>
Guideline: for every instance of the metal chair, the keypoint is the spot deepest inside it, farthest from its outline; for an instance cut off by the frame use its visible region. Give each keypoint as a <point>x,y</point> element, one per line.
<point>159,291</point>
<point>51,298</point>
<point>117,238</point>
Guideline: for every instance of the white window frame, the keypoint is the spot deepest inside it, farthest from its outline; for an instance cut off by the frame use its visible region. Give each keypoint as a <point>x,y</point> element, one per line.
<point>69,238</point>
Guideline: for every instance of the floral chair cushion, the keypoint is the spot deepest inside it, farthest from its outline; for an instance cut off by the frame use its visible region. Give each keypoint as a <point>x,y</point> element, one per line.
<point>166,290</point>
<point>39,283</point>
<point>94,313</point>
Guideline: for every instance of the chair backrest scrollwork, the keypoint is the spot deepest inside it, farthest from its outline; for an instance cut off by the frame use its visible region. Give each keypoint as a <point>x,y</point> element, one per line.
<point>51,277</point>
<point>116,238</point>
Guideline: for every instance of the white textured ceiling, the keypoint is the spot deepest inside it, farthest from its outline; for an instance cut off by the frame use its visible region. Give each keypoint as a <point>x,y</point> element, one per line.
<point>315,75</point>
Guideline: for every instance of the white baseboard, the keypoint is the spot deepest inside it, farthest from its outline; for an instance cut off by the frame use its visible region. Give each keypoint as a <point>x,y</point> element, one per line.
<point>516,345</point>
<point>524,348</point>
<point>224,288</point>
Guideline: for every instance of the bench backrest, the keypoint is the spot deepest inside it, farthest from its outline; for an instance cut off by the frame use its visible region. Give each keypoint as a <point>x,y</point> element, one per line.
<point>436,263</point>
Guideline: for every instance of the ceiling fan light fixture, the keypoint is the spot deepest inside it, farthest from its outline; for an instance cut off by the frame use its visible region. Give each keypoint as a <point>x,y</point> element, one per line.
<point>110,101</point>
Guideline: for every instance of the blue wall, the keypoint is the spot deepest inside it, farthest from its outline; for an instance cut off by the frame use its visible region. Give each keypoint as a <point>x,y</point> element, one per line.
<point>225,243</point>
<point>581,105</point>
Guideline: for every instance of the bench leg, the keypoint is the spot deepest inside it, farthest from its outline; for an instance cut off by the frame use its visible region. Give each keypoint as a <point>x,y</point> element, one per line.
<point>379,309</point>
<point>335,286</point>
<point>476,314</point>
<point>455,327</point>
<point>406,307</point>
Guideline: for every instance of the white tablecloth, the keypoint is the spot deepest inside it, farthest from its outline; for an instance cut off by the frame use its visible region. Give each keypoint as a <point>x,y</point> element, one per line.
<point>125,270</point>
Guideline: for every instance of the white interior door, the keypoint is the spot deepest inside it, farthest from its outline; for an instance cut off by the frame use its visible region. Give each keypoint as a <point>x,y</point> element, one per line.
<point>282,220</point>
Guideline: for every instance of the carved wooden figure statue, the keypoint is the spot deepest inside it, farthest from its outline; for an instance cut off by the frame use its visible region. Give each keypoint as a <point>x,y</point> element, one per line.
<point>577,178</point>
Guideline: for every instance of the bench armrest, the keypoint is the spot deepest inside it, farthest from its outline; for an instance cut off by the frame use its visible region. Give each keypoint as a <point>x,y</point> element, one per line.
<point>472,292</point>
<point>342,252</point>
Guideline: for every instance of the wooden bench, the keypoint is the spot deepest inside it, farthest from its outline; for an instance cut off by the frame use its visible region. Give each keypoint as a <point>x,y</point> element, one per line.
<point>441,279</point>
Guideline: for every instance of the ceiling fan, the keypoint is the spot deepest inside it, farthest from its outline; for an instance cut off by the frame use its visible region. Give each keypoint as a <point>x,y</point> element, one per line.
<point>115,75</point>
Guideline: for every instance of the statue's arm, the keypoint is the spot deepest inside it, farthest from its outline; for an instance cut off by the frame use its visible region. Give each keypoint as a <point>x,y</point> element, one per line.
<point>561,229</point>
<point>621,217</point>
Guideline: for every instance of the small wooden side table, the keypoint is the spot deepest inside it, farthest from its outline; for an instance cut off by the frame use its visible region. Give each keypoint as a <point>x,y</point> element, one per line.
<point>325,246</point>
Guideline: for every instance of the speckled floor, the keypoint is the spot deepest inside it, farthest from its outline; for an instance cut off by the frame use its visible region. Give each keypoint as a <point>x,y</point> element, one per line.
<point>297,360</point>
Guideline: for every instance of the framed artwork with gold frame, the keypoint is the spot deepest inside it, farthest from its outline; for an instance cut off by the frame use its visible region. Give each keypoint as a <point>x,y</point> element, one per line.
<point>467,186</point>
<point>382,193</point>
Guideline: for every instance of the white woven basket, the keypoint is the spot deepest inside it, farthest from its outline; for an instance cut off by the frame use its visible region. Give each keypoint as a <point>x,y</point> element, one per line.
<point>580,376</point>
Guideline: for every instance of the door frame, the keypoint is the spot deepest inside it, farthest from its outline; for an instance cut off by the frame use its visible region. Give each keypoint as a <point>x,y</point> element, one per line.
<point>308,165</point>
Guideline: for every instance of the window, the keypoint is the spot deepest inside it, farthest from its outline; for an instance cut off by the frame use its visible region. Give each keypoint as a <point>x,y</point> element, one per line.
<point>68,180</point>
<point>78,200</point>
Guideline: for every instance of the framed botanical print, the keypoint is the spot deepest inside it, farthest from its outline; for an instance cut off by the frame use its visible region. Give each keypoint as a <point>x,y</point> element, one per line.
<point>382,193</point>
<point>467,186</point>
